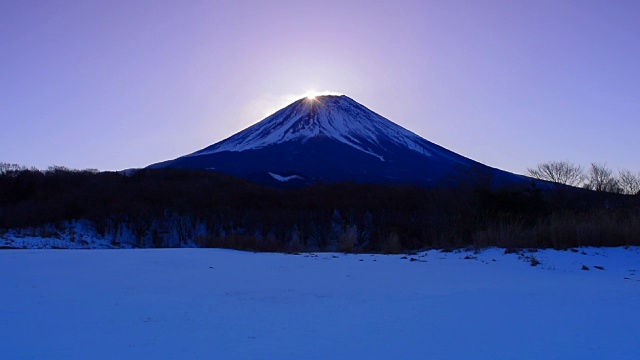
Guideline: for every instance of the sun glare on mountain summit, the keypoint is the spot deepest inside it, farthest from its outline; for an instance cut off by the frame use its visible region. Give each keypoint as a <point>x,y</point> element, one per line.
<point>312,94</point>
<point>268,104</point>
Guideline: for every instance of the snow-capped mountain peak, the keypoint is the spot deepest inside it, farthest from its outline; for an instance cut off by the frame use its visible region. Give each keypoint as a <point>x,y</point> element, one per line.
<point>337,117</point>
<point>332,138</point>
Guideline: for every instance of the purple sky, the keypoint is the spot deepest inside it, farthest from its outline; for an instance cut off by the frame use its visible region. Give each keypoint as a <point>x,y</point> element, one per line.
<point>120,84</point>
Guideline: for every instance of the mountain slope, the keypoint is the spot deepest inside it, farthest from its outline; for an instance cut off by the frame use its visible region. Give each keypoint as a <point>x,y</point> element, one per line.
<point>336,117</point>
<point>333,139</point>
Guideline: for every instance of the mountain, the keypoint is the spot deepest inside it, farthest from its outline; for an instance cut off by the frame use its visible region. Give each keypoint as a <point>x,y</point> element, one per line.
<point>336,139</point>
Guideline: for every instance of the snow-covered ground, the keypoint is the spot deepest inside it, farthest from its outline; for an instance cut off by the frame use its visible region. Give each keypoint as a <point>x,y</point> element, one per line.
<point>76,235</point>
<point>222,304</point>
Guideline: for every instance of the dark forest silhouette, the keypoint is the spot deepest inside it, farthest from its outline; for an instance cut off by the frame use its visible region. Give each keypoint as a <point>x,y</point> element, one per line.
<point>210,209</point>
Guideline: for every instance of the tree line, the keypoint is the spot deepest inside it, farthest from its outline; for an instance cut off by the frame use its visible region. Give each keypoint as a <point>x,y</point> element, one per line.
<point>598,177</point>
<point>173,208</point>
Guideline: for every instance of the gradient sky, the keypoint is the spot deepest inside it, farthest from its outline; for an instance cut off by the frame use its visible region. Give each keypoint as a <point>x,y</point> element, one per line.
<point>119,84</point>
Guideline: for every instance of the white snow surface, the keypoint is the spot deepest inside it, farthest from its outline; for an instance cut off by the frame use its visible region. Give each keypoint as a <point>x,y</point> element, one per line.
<point>284,178</point>
<point>336,117</point>
<point>222,304</point>
<point>69,235</point>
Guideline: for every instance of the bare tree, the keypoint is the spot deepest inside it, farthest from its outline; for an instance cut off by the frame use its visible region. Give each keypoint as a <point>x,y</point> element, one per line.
<point>561,172</point>
<point>600,178</point>
<point>629,182</point>
<point>58,169</point>
<point>6,168</point>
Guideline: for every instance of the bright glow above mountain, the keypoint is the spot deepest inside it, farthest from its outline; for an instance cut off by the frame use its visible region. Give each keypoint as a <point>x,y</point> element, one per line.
<point>271,103</point>
<point>312,94</point>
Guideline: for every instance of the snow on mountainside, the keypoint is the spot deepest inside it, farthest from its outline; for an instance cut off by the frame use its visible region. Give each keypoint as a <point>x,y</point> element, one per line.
<point>285,178</point>
<point>336,117</point>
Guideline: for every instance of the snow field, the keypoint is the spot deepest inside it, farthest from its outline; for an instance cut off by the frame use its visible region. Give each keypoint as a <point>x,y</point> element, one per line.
<point>222,304</point>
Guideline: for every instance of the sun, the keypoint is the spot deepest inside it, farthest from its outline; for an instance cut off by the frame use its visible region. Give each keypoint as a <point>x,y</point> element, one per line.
<point>268,104</point>
<point>312,94</point>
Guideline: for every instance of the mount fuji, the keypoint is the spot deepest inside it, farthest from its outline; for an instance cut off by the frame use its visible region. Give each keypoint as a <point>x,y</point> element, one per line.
<point>335,139</point>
